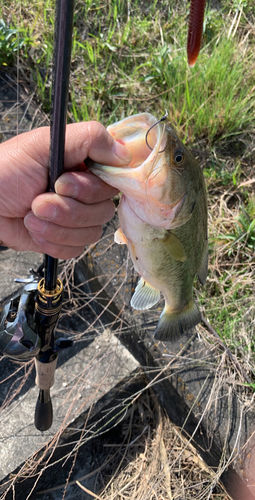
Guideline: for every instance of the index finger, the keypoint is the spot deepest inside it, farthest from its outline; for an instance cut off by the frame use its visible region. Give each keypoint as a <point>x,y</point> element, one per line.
<point>84,187</point>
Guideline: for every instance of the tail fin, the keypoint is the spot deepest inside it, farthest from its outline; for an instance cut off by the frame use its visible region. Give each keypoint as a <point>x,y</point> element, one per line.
<point>172,325</point>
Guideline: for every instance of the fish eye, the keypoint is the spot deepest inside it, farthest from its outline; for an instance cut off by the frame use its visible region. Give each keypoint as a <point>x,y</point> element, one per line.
<point>178,157</point>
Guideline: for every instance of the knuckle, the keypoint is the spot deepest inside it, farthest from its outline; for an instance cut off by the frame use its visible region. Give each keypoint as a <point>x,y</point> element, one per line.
<point>98,136</point>
<point>94,127</point>
<point>78,218</point>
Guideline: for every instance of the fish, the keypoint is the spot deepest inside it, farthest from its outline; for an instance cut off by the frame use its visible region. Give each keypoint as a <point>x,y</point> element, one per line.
<point>163,219</point>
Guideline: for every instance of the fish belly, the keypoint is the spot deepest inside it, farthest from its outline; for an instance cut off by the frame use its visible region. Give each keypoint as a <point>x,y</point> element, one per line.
<point>152,260</point>
<point>160,271</point>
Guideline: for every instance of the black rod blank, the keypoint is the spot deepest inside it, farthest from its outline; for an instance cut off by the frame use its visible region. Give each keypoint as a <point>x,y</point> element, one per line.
<point>60,83</point>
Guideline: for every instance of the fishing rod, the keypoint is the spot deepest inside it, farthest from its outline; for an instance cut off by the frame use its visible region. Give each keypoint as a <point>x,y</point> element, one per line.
<point>50,288</point>
<point>29,317</point>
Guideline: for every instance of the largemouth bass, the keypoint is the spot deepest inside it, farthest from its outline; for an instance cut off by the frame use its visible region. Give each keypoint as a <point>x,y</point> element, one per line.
<point>163,219</point>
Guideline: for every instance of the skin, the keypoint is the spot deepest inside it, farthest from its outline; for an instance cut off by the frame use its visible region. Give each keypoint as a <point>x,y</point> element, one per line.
<point>60,223</point>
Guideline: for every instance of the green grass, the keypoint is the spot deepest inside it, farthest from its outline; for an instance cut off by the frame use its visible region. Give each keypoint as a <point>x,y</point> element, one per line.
<point>124,62</point>
<point>243,235</point>
<point>130,57</point>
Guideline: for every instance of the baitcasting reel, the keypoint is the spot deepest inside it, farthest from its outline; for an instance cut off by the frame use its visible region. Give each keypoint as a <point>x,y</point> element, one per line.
<point>18,337</point>
<point>27,326</point>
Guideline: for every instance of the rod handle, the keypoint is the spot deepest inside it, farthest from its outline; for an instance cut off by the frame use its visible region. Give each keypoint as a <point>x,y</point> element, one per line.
<point>43,411</point>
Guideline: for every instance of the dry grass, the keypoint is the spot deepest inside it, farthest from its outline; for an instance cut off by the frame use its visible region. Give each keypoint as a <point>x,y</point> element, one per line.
<point>158,463</point>
<point>228,296</point>
<point>153,462</point>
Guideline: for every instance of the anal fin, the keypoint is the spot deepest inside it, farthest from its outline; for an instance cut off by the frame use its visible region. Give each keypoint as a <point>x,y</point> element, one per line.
<point>145,296</point>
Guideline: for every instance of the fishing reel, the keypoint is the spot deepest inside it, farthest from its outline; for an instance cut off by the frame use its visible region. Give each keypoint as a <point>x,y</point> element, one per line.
<point>19,339</point>
<point>27,325</point>
<point>29,317</point>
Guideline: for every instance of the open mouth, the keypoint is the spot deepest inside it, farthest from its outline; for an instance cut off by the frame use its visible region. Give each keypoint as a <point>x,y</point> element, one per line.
<point>145,175</point>
<point>140,134</point>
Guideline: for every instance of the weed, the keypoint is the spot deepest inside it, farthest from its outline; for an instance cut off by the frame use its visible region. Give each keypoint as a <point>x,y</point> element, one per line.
<point>244,233</point>
<point>11,42</point>
<point>127,58</point>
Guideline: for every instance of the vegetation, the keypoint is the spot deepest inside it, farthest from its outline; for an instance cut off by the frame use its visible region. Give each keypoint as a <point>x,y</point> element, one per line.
<point>130,57</point>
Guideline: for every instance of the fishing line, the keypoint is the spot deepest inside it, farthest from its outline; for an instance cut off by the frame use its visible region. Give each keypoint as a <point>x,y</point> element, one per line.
<point>157,152</point>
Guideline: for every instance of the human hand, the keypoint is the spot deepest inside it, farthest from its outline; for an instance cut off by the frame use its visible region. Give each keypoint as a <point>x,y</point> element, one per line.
<point>60,223</point>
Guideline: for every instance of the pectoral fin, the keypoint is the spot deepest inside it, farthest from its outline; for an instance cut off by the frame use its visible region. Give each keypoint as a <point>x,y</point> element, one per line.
<point>203,268</point>
<point>145,296</point>
<point>119,237</point>
<point>174,247</point>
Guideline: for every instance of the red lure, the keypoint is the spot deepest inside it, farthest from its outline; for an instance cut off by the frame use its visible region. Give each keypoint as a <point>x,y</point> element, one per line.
<point>196,18</point>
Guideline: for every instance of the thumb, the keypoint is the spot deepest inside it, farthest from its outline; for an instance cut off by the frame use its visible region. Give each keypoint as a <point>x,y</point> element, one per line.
<point>92,139</point>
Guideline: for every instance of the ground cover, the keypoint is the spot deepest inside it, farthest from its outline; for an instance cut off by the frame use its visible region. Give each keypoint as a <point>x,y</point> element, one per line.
<point>130,57</point>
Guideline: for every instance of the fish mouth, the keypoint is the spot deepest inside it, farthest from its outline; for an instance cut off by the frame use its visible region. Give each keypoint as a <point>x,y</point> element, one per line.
<point>145,179</point>
<point>145,139</point>
<point>142,134</point>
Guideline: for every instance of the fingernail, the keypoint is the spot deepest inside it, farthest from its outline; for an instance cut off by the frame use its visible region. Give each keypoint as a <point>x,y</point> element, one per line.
<point>45,210</point>
<point>35,225</point>
<point>66,188</point>
<point>122,152</point>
